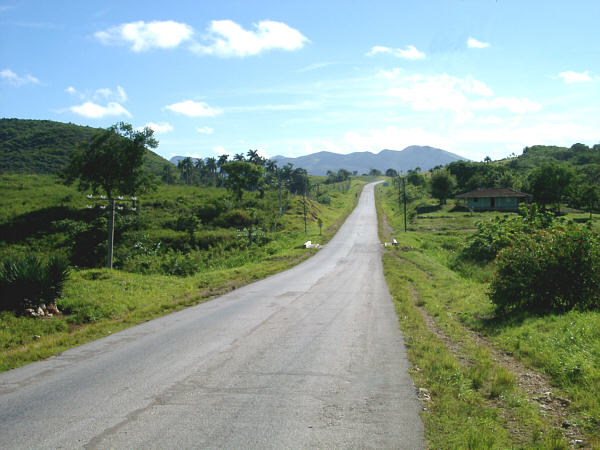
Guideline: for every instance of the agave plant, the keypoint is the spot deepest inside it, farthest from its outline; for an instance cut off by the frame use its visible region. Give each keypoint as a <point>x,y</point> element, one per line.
<point>27,281</point>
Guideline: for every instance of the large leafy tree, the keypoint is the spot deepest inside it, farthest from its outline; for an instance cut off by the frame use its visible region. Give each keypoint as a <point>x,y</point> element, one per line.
<point>242,175</point>
<point>112,161</point>
<point>442,185</point>
<point>549,182</point>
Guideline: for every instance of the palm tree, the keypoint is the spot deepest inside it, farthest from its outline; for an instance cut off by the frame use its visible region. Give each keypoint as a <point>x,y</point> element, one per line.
<point>211,167</point>
<point>220,162</point>
<point>239,157</point>
<point>186,165</point>
<point>201,169</point>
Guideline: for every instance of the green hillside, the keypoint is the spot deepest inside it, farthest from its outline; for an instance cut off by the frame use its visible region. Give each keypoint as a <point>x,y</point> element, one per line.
<point>44,146</point>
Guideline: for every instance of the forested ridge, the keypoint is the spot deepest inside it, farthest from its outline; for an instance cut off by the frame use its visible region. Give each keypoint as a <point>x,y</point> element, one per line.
<point>45,146</point>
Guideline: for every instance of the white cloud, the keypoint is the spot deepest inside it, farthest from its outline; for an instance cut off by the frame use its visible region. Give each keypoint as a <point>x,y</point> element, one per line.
<point>193,109</point>
<point>106,93</point>
<point>514,105</point>
<point>94,111</point>
<point>474,43</point>
<point>446,92</point>
<point>442,92</point>
<point>409,53</point>
<point>162,127</point>
<point>226,38</point>
<point>205,130</point>
<point>474,86</point>
<point>220,150</point>
<point>121,95</point>
<point>16,80</point>
<point>262,153</point>
<point>389,74</point>
<point>145,36</point>
<point>575,77</point>
<point>74,92</point>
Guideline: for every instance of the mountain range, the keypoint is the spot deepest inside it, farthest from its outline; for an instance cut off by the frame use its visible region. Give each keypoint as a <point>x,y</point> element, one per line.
<point>362,162</point>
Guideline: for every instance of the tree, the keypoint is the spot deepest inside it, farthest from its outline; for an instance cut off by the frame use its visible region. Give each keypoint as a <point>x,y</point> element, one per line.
<point>112,161</point>
<point>375,172</point>
<point>392,173</point>
<point>549,182</point>
<point>442,185</point>
<point>242,175</point>
<point>211,167</point>
<point>587,196</point>
<point>168,175</point>
<point>186,166</point>
<point>220,162</point>
<point>415,178</point>
<point>255,158</point>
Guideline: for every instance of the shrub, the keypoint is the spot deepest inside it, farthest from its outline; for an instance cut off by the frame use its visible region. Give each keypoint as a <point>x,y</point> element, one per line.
<point>557,269</point>
<point>27,281</point>
<point>235,218</point>
<point>492,236</point>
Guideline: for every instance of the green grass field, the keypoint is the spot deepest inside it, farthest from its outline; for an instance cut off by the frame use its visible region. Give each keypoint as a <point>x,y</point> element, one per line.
<point>526,381</point>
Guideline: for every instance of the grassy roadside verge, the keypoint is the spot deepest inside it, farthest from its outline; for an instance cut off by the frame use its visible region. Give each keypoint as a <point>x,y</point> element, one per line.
<point>485,383</point>
<point>97,302</point>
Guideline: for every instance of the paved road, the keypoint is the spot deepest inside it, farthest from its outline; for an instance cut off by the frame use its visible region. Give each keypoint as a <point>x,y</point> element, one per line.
<point>308,358</point>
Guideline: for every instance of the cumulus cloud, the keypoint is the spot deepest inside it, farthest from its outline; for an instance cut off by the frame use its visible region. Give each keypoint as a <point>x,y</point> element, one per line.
<point>205,130</point>
<point>410,52</point>
<point>142,36</point>
<point>106,93</point>
<point>446,92</point>
<point>158,128</point>
<point>226,38</point>
<point>94,111</point>
<point>193,109</point>
<point>474,43</point>
<point>389,74</point>
<point>17,80</point>
<point>92,108</point>
<point>515,105</point>
<point>220,150</point>
<point>575,77</point>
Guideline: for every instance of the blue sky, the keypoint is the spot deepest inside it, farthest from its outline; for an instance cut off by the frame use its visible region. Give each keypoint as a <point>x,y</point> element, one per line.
<point>476,78</point>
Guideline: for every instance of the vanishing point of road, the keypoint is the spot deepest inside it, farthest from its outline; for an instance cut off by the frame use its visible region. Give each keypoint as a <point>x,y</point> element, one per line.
<point>308,358</point>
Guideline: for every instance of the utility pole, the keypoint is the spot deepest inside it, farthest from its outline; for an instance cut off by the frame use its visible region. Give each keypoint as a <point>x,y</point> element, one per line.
<point>404,195</point>
<point>399,193</point>
<point>111,233</point>
<point>113,207</point>
<point>280,188</point>
<point>305,232</point>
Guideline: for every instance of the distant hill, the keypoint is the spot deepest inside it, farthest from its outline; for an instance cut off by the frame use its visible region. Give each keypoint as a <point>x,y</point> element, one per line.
<point>362,162</point>
<point>45,146</point>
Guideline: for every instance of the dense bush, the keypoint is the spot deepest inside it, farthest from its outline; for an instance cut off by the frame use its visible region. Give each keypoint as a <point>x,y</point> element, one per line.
<point>235,218</point>
<point>494,235</point>
<point>556,269</point>
<point>27,281</point>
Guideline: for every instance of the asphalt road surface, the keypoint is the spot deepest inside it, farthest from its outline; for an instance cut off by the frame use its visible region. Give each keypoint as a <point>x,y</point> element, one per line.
<point>308,358</point>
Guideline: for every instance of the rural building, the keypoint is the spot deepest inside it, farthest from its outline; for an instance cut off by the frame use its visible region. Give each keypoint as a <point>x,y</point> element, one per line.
<point>501,199</point>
